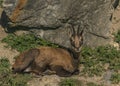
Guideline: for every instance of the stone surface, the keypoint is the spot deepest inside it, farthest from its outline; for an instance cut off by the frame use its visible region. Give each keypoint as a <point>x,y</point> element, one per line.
<point>49,18</point>
<point>51,80</point>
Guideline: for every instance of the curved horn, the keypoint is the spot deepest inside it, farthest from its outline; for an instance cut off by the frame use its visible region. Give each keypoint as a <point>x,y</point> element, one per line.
<point>73,29</point>
<point>81,32</point>
<point>78,29</point>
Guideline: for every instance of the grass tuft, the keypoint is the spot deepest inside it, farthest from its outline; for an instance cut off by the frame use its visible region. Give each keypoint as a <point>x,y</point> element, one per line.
<point>70,82</point>
<point>1,1</point>
<point>25,41</point>
<point>117,37</point>
<point>115,78</point>
<point>94,60</point>
<point>7,78</point>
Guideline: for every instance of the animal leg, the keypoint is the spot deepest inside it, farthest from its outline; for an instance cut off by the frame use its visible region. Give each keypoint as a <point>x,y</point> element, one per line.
<point>60,71</point>
<point>49,72</point>
<point>37,69</point>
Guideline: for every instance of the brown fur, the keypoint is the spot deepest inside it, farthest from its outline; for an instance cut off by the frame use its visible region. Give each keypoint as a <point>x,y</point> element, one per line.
<point>17,10</point>
<point>38,60</point>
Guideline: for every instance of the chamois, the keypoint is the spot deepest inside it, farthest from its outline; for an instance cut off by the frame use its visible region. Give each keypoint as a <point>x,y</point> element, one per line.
<point>58,60</point>
<point>38,60</point>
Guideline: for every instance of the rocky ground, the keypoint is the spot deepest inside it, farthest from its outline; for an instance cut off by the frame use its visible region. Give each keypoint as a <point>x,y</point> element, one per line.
<point>52,80</point>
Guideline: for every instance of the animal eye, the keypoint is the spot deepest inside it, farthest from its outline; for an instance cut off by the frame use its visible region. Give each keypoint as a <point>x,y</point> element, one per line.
<point>72,39</point>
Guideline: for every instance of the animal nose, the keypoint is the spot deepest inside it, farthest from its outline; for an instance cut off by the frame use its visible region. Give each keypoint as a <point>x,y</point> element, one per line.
<point>77,46</point>
<point>13,68</point>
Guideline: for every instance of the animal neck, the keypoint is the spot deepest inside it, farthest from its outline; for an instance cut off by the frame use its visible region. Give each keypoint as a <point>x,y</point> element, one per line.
<point>76,54</point>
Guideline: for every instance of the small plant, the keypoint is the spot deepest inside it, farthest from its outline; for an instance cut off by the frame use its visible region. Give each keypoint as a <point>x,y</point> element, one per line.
<point>7,78</point>
<point>70,82</point>
<point>25,41</point>
<point>90,61</point>
<point>94,60</point>
<point>1,1</point>
<point>115,78</point>
<point>93,84</point>
<point>117,37</point>
<point>4,66</point>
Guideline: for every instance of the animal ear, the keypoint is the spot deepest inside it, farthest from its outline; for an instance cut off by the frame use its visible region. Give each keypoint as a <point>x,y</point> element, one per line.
<point>29,57</point>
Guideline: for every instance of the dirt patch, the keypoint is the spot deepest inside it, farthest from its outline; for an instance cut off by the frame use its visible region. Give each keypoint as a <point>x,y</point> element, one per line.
<point>6,52</point>
<point>48,80</point>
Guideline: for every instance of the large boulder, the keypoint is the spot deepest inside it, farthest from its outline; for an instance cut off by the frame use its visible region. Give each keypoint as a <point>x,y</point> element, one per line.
<point>49,19</point>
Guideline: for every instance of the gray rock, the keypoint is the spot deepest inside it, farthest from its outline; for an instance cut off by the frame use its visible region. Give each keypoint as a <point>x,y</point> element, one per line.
<point>48,19</point>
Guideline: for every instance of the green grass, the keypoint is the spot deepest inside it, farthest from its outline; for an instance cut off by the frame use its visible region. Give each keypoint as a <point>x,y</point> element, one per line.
<point>93,84</point>
<point>7,78</point>
<point>75,82</point>
<point>70,82</point>
<point>117,37</point>
<point>115,78</point>
<point>94,60</point>
<point>25,41</point>
<point>1,1</point>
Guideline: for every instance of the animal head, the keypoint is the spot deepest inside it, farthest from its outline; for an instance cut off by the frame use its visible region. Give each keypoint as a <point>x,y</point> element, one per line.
<point>76,37</point>
<point>24,60</point>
